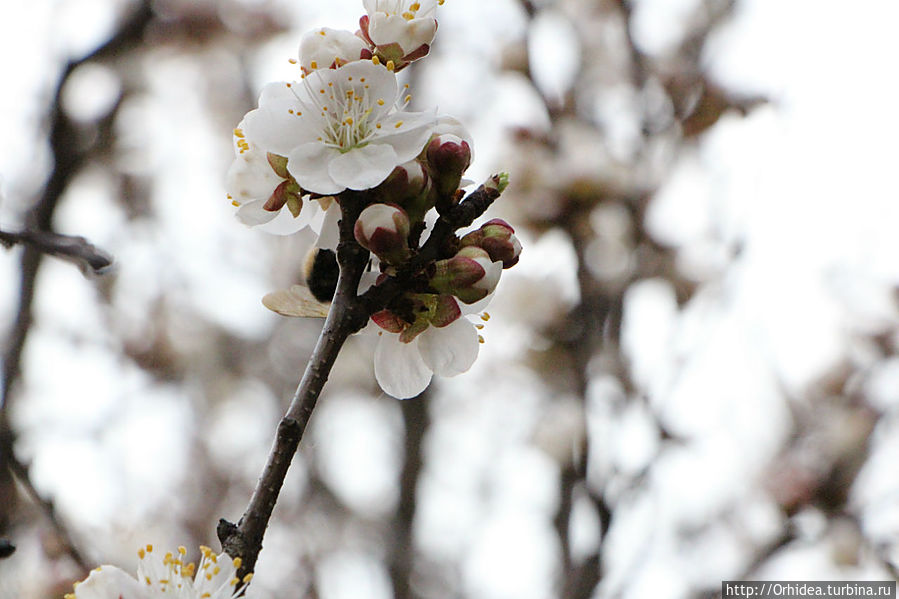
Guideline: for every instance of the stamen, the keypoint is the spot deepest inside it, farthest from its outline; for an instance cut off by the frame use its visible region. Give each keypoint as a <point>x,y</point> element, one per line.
<point>292,60</point>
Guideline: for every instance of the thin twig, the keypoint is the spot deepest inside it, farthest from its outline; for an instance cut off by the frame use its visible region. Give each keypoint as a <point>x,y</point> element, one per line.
<point>345,317</point>
<point>87,256</point>
<point>20,471</point>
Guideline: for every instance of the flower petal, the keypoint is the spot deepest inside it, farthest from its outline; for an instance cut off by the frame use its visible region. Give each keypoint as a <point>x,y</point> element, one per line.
<point>109,582</point>
<point>407,133</point>
<point>399,368</point>
<point>309,165</point>
<point>450,350</point>
<point>363,168</point>
<point>272,127</point>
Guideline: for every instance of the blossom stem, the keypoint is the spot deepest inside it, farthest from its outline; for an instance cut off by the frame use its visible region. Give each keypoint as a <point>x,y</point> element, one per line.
<point>346,316</point>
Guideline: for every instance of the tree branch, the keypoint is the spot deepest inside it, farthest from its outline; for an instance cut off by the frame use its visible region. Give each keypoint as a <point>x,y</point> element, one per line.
<point>345,317</point>
<point>79,250</point>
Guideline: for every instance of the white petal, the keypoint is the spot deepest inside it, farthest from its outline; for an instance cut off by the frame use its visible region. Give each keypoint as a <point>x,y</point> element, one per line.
<point>399,368</point>
<point>328,232</point>
<point>308,163</point>
<point>450,350</point>
<point>109,582</point>
<point>363,168</point>
<point>407,140</point>
<point>369,81</point>
<point>410,35</point>
<point>272,127</point>
<point>253,213</point>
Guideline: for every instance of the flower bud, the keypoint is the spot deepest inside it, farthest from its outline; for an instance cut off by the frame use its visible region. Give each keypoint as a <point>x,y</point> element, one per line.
<point>383,229</point>
<point>448,157</point>
<point>470,275</point>
<point>327,48</point>
<point>401,31</point>
<point>406,187</point>
<point>498,239</point>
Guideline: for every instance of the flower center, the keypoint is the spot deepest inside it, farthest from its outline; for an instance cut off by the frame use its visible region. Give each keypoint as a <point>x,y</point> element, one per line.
<point>345,108</point>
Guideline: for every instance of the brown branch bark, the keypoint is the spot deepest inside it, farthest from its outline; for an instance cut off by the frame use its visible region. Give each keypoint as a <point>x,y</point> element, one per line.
<point>345,317</point>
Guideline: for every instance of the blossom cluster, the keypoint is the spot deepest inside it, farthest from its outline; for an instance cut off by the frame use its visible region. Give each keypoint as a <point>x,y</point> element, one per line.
<point>344,128</point>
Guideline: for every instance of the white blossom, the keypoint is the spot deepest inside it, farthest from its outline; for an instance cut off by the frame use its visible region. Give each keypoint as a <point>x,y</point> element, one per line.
<point>250,182</point>
<point>339,128</point>
<point>404,370</point>
<point>165,577</point>
<point>411,24</point>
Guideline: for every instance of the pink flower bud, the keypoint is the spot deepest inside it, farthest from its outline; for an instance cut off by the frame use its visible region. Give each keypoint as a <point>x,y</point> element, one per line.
<point>498,239</point>
<point>470,275</point>
<point>448,157</point>
<point>383,229</point>
<point>405,186</point>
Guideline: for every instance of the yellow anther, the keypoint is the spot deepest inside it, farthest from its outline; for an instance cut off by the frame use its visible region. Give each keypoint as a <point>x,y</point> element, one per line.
<point>141,553</point>
<point>163,581</point>
<point>289,85</point>
<point>149,548</point>
<point>398,124</point>
<point>205,595</point>
<point>380,102</point>
<point>375,59</point>
<point>182,550</point>
<point>292,60</point>
<point>390,65</point>
<point>480,339</point>
<point>377,125</point>
<point>290,111</point>
<point>321,91</point>
<point>234,581</point>
<point>348,120</point>
<point>313,64</point>
<point>361,79</point>
<point>248,578</point>
<point>216,570</point>
<point>479,326</point>
<point>148,581</point>
<point>485,316</point>
<point>238,132</point>
<point>414,6</point>
<point>237,562</point>
<point>208,576</point>
<point>407,99</point>
<point>321,32</point>
<point>440,2</point>
<point>408,16</point>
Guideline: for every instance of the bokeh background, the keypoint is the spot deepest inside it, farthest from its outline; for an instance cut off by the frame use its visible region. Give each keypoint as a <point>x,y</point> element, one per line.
<point>691,376</point>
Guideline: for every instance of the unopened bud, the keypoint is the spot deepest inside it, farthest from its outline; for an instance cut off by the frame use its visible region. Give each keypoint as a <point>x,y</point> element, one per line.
<point>470,275</point>
<point>448,157</point>
<point>406,187</point>
<point>383,229</point>
<point>497,238</point>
